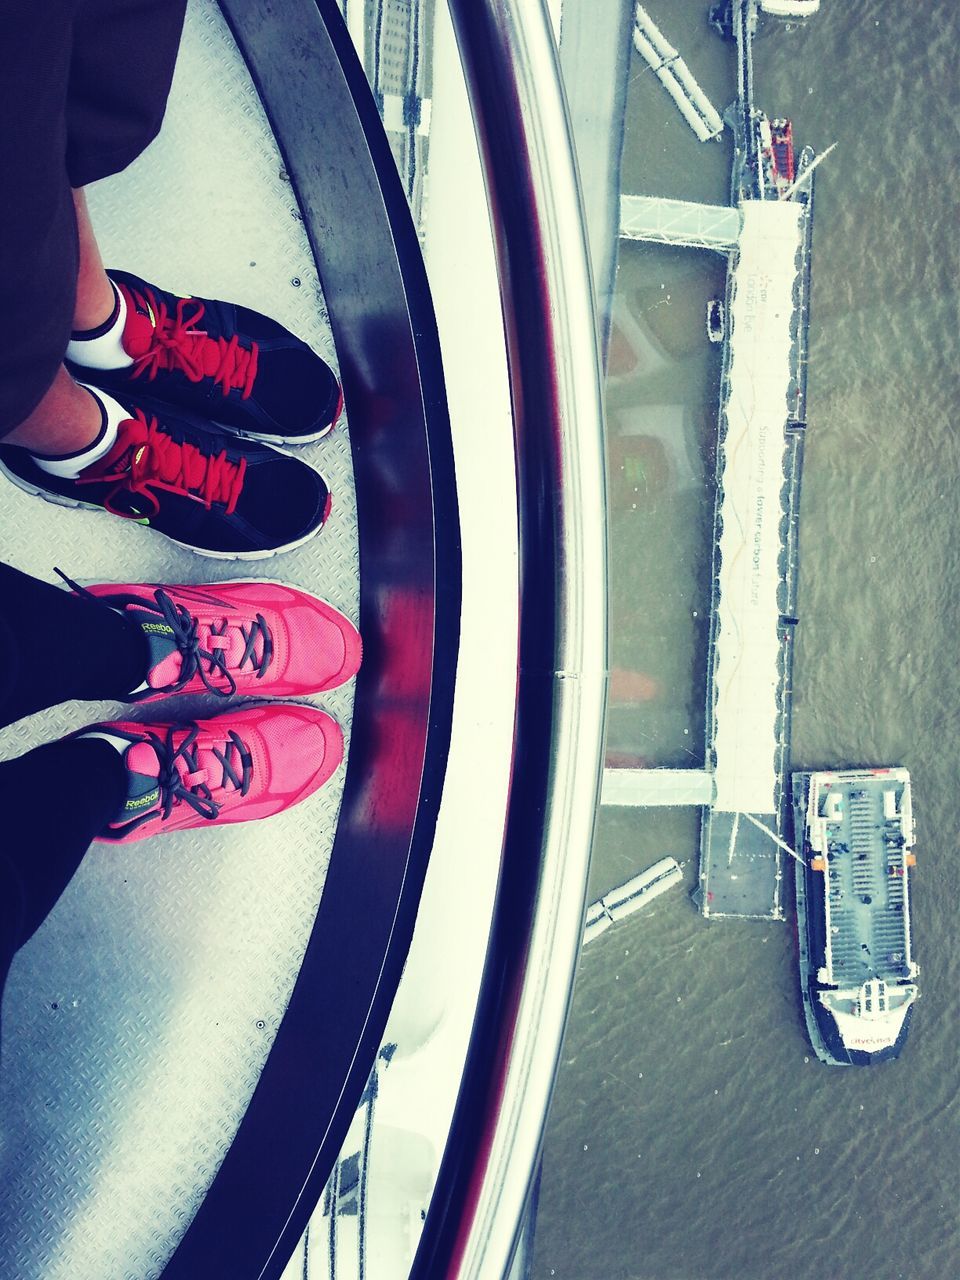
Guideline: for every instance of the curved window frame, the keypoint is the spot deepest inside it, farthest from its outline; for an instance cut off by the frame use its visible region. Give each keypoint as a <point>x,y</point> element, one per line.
<point>371,268</point>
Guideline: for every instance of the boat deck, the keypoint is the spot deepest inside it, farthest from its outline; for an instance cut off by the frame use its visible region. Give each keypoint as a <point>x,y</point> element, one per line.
<point>868,924</point>
<point>856,968</point>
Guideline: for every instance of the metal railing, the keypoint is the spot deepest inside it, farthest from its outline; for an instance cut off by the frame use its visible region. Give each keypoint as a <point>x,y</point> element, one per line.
<point>511,67</point>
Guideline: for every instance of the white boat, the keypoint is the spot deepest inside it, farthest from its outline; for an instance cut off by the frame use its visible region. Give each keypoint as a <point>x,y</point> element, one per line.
<point>857,969</point>
<point>790,8</point>
<point>716,320</point>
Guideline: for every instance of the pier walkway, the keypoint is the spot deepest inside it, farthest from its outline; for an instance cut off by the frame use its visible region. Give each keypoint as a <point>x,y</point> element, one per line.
<point>754,564</point>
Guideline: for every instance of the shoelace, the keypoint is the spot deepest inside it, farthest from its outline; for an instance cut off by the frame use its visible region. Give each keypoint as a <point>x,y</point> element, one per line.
<point>146,458</point>
<point>185,629</point>
<point>190,786</point>
<point>176,344</point>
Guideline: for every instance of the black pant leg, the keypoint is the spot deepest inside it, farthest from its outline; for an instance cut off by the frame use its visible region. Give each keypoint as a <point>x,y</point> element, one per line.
<point>83,90</point>
<point>124,52</point>
<point>55,646</point>
<point>38,232</point>
<point>53,801</point>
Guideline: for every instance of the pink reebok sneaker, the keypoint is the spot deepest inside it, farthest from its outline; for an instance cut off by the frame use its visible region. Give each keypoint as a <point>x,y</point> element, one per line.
<point>234,767</point>
<point>248,637</point>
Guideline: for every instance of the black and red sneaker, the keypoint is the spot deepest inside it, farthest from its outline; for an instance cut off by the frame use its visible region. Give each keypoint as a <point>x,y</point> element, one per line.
<point>223,362</point>
<point>205,490</point>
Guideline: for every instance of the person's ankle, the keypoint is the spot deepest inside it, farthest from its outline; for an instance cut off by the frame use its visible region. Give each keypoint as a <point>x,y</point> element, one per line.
<point>69,464</point>
<point>68,418</point>
<point>95,305</point>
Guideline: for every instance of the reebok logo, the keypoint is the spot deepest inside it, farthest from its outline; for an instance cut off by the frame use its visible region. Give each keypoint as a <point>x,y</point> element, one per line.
<point>156,628</point>
<point>142,802</point>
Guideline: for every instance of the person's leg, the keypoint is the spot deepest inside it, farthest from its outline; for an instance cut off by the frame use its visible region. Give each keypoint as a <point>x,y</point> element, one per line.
<point>67,420</point>
<point>83,89</point>
<point>213,358</point>
<point>68,417</point>
<point>84,781</point>
<point>103,100</point>
<point>96,296</point>
<point>55,646</point>
<point>38,238</point>
<point>88,778</point>
<point>123,57</point>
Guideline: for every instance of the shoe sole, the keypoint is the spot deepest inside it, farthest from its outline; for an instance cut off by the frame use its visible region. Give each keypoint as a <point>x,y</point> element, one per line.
<point>57,500</point>
<point>293,440</point>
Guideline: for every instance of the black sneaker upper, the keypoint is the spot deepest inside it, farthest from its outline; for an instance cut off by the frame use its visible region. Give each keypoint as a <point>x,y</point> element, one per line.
<point>203,488</point>
<point>223,362</point>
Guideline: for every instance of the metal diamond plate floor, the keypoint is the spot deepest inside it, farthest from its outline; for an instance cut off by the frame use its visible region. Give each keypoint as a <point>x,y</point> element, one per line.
<point>136,1022</point>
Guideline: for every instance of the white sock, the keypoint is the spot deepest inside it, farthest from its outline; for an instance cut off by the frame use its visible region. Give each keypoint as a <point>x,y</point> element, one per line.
<point>121,744</point>
<point>69,465</point>
<point>103,348</point>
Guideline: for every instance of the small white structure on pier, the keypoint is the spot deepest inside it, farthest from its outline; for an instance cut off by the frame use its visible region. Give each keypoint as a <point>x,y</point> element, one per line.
<point>675,76</point>
<point>790,8</point>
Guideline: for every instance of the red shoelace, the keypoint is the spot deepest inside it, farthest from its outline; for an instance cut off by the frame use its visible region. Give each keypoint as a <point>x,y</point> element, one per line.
<point>144,458</point>
<point>176,344</point>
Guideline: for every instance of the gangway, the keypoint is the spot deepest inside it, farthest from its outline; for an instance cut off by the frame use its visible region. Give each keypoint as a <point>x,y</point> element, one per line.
<point>682,222</point>
<point>651,788</point>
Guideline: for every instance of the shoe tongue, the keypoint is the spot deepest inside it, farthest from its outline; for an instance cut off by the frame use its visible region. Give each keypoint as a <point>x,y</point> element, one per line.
<point>140,324</point>
<point>143,772</point>
<point>164,660</point>
<point>143,790</point>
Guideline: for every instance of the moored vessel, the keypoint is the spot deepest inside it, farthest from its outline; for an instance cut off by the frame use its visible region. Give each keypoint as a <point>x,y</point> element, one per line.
<point>857,971</point>
<point>716,320</point>
<point>777,156</point>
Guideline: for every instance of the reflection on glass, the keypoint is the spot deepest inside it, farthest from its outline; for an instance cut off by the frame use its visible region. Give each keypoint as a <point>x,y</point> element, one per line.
<point>393,39</point>
<point>661,391</point>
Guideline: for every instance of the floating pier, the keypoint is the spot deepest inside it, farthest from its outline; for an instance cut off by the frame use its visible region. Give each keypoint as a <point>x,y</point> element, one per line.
<point>767,235</point>
<point>760,453</point>
<point>675,76</point>
<point>755,561</point>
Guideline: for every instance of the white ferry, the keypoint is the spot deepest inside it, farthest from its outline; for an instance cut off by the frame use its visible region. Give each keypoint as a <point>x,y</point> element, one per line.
<point>857,971</point>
